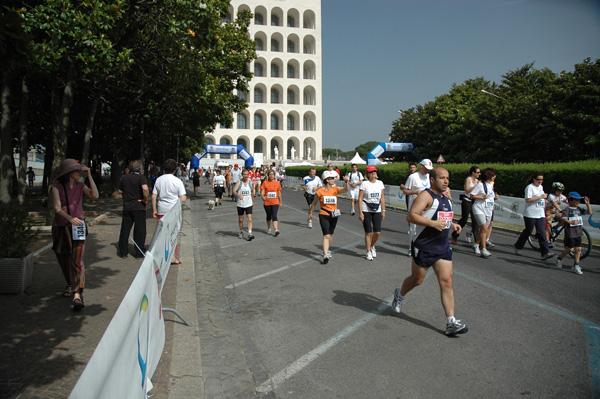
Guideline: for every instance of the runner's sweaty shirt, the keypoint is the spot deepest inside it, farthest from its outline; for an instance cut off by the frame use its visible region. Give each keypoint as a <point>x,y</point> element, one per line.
<point>431,240</point>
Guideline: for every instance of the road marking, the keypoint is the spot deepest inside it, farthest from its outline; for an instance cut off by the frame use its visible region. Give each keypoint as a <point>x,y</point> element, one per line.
<point>281,269</point>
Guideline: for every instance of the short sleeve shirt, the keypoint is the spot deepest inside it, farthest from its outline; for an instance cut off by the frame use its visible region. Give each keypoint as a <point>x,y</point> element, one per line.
<point>168,189</point>
<point>534,210</point>
<point>271,192</point>
<point>573,214</point>
<point>312,185</point>
<point>372,194</point>
<point>131,184</point>
<point>327,199</point>
<point>416,181</point>
<point>486,206</point>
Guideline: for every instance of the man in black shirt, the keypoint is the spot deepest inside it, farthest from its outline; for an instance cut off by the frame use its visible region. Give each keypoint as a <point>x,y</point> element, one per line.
<point>134,188</point>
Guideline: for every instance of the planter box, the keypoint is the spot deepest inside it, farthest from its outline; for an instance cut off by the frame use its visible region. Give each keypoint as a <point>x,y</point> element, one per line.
<point>16,274</point>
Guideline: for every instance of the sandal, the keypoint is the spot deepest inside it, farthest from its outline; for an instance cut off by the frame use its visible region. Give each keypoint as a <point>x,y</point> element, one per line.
<point>68,292</point>
<point>78,303</point>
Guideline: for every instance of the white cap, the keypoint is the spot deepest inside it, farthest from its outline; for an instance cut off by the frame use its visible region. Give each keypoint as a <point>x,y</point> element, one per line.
<point>427,163</point>
<point>329,173</point>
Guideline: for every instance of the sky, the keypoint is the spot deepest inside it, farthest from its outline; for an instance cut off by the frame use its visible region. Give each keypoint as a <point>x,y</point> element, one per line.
<point>382,56</point>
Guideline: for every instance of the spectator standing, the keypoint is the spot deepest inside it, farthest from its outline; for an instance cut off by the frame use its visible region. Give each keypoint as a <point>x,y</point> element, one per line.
<point>30,177</point>
<point>134,189</point>
<point>69,229</point>
<point>167,190</point>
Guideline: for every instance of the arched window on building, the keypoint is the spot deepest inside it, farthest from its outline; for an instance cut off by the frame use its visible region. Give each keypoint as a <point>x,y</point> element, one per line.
<point>241,121</point>
<point>258,95</point>
<point>291,22</point>
<point>258,19</point>
<point>291,47</point>
<point>274,45</point>
<point>274,20</point>
<point>274,122</point>
<point>291,123</point>
<point>291,72</point>
<point>274,96</point>
<point>291,97</point>
<point>259,45</point>
<point>258,70</point>
<point>274,71</point>
<point>258,121</point>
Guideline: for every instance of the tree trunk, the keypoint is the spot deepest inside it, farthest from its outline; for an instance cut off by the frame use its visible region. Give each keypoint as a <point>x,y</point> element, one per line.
<point>6,136</point>
<point>63,122</point>
<point>85,157</point>
<point>23,144</point>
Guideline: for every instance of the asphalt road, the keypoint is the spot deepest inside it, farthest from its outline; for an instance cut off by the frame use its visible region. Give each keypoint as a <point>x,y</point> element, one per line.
<point>326,331</point>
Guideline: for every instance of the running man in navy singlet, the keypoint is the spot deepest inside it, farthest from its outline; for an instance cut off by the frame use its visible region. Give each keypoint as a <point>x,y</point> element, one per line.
<point>431,211</point>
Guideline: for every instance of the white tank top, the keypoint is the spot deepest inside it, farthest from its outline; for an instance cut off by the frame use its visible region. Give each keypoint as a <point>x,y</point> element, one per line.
<point>245,190</point>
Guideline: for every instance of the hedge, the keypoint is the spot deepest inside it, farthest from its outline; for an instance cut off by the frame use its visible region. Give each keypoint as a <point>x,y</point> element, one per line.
<point>580,176</point>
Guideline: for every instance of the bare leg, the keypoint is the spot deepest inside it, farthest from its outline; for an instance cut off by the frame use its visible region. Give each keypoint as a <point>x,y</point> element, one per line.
<point>443,270</point>
<point>414,280</point>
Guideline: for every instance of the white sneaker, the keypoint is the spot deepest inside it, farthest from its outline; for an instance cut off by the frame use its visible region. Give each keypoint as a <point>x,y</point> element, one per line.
<point>250,237</point>
<point>369,256</point>
<point>241,234</point>
<point>558,262</point>
<point>270,232</point>
<point>490,244</point>
<point>310,223</point>
<point>485,253</point>
<point>476,249</point>
<point>352,212</point>
<point>577,269</point>
<point>469,237</point>
<point>373,252</point>
<point>397,302</point>
<point>456,327</point>
<point>325,258</point>
<point>276,233</point>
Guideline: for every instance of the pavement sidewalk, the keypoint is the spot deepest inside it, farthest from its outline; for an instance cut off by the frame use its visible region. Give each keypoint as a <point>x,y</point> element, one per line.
<point>45,346</point>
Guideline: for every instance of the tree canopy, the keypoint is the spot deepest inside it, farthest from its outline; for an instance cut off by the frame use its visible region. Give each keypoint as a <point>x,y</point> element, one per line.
<point>531,116</point>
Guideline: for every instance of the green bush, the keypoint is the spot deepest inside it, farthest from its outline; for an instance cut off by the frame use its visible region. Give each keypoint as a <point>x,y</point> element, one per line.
<point>15,231</point>
<point>511,180</point>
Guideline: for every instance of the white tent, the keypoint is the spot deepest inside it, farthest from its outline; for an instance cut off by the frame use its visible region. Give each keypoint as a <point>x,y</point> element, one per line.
<point>357,160</point>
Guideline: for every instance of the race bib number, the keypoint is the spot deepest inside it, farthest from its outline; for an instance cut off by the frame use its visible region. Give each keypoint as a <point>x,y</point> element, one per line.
<point>541,203</point>
<point>374,195</point>
<point>446,217</point>
<point>79,232</point>
<point>577,219</point>
<point>329,200</point>
<point>245,192</point>
<point>272,194</point>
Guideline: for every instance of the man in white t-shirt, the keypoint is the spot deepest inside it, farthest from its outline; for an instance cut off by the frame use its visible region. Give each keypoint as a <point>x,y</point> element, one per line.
<point>416,183</point>
<point>310,185</point>
<point>167,190</point>
<point>236,174</point>
<point>355,178</point>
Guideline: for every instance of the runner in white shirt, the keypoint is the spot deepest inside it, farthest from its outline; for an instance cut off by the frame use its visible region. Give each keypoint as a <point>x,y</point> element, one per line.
<point>483,196</point>
<point>310,185</point>
<point>355,178</point>
<point>372,209</point>
<point>244,191</point>
<point>416,183</point>
<point>534,215</point>
<point>218,184</point>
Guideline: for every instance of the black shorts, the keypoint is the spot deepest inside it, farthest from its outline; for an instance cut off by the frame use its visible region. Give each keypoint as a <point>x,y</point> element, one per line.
<point>309,198</point>
<point>573,242</point>
<point>247,211</point>
<point>372,222</point>
<point>426,259</point>
<point>271,211</point>
<point>219,191</point>
<point>328,224</point>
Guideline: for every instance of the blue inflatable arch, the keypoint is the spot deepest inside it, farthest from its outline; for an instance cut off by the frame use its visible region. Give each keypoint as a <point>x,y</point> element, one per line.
<point>223,149</point>
<point>391,147</point>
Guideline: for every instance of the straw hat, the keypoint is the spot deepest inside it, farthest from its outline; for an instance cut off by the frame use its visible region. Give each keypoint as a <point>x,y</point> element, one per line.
<point>68,166</point>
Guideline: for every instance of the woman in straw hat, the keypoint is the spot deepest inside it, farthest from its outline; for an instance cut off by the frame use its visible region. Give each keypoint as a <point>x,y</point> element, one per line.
<point>69,229</point>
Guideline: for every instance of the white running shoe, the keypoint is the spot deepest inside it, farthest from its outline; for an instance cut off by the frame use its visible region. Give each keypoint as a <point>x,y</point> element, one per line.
<point>490,244</point>
<point>250,237</point>
<point>325,258</point>
<point>456,327</point>
<point>577,269</point>
<point>558,262</point>
<point>485,253</point>
<point>397,302</point>
<point>270,232</point>
<point>373,252</point>
<point>369,256</point>
<point>310,223</point>
<point>476,249</point>
<point>469,237</point>
<point>276,233</point>
<point>352,212</point>
<point>241,234</point>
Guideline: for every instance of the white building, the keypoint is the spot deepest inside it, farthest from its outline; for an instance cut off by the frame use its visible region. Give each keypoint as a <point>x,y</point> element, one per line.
<point>284,117</point>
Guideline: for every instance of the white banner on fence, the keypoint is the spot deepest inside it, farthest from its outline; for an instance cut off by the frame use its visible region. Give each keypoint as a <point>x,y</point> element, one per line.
<point>128,353</point>
<point>506,209</point>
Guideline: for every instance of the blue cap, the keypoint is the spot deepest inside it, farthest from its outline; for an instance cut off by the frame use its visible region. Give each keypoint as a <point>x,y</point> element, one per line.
<point>574,195</point>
